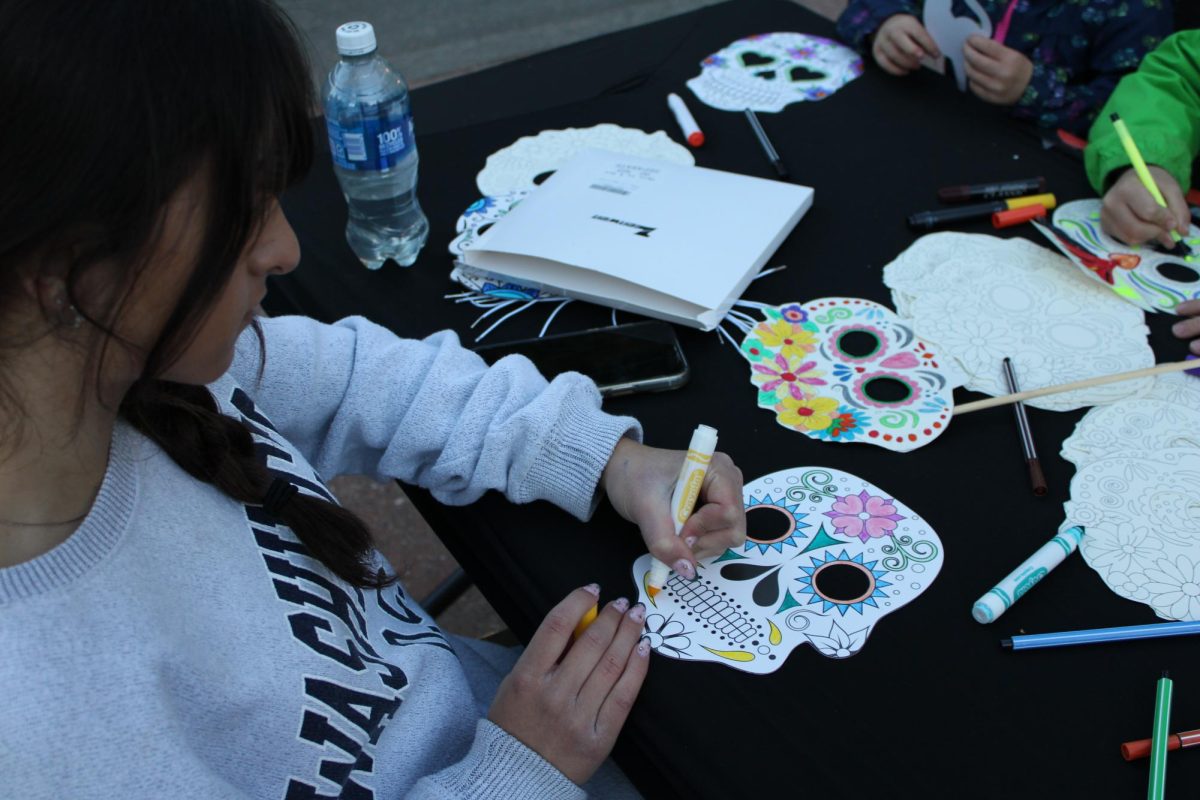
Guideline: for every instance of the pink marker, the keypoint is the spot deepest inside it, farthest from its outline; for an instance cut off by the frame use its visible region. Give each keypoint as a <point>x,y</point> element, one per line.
<point>687,123</point>
<point>1002,29</point>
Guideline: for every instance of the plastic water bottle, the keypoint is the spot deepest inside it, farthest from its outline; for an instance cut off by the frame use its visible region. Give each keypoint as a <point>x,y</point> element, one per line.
<point>369,120</point>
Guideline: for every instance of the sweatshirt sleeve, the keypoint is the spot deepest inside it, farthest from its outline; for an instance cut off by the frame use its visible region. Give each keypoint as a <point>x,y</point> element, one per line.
<point>862,18</point>
<point>497,767</point>
<point>1055,98</point>
<point>354,398</point>
<point>1160,104</point>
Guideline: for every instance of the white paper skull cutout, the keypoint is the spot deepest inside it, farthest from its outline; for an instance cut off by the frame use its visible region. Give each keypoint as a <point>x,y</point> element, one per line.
<point>827,555</point>
<point>770,71</point>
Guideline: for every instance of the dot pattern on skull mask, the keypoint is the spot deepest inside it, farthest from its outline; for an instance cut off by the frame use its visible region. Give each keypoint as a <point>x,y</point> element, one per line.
<point>827,555</point>
<point>843,369</point>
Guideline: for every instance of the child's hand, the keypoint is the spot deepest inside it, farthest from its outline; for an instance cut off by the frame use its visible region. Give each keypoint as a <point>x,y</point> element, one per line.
<point>900,44</point>
<point>639,481</point>
<point>1189,328</point>
<point>1130,213</point>
<point>570,708</point>
<point>997,74</point>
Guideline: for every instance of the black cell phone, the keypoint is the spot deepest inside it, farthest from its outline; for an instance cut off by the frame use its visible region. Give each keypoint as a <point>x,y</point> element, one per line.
<point>622,359</point>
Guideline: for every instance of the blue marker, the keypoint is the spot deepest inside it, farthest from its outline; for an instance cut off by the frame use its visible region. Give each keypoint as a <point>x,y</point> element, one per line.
<point>1155,630</point>
<point>1001,596</point>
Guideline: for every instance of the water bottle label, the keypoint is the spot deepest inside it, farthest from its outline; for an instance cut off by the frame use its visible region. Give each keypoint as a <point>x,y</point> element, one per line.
<point>374,144</point>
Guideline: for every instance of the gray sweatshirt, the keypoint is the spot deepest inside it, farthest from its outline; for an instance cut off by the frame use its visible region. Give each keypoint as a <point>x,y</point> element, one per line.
<point>181,644</point>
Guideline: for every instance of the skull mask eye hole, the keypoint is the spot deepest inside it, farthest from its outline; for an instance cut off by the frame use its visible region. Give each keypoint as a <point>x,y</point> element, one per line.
<point>1179,273</point>
<point>798,74</point>
<point>541,177</point>
<point>887,390</point>
<point>844,582</point>
<point>768,524</point>
<point>482,229</point>
<point>752,59</point>
<point>857,344</point>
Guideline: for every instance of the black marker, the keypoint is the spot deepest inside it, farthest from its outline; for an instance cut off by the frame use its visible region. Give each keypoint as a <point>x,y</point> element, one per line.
<point>926,220</point>
<point>767,147</point>
<point>991,191</point>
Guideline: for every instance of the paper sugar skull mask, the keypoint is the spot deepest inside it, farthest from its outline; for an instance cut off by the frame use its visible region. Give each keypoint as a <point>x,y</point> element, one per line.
<point>843,369</point>
<point>770,71</point>
<point>827,556</point>
<point>1142,274</point>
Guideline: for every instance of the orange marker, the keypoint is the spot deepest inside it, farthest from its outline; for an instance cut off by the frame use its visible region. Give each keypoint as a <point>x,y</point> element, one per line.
<point>587,620</point>
<point>1131,751</point>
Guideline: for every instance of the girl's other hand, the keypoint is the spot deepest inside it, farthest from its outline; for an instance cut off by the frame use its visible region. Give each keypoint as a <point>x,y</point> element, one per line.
<point>640,480</point>
<point>1131,214</point>
<point>567,701</point>
<point>901,43</point>
<point>996,73</point>
<point>1189,328</point>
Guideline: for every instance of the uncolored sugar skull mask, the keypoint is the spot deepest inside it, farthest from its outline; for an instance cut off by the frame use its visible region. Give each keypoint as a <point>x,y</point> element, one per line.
<point>770,71</point>
<point>827,555</point>
<point>842,369</point>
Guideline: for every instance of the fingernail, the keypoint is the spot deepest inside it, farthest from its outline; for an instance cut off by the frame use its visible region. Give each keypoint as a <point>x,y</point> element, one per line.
<point>620,604</point>
<point>689,541</point>
<point>637,613</point>
<point>1177,329</point>
<point>685,568</point>
<point>643,648</point>
<point>594,588</point>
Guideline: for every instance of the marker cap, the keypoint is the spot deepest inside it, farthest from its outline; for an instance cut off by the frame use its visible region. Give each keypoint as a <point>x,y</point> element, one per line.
<point>1047,201</point>
<point>1016,216</point>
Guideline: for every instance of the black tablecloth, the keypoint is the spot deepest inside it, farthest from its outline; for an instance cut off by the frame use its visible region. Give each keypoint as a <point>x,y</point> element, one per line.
<point>931,706</point>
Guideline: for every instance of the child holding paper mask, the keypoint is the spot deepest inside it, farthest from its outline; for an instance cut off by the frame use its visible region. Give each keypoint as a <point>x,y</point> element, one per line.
<point>1057,63</point>
<point>185,610</point>
<point>1160,104</point>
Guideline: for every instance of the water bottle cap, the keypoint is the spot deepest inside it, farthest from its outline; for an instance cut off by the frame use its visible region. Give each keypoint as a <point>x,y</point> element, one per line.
<point>355,38</point>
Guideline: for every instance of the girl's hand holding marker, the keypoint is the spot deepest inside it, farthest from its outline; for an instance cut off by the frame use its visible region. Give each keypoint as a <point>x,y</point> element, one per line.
<point>719,523</point>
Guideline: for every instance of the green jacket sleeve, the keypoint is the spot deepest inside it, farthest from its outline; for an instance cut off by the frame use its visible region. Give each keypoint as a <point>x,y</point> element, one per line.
<point>1161,105</point>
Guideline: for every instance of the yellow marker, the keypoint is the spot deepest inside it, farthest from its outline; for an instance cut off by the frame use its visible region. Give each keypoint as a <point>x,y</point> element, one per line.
<point>1047,201</point>
<point>1143,172</point>
<point>587,620</point>
<point>687,491</point>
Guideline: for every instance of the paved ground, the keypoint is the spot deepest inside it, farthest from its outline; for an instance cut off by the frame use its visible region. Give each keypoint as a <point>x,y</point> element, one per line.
<point>431,41</point>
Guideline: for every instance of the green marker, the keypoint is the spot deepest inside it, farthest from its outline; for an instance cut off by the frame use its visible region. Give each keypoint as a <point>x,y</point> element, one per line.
<point>1158,738</point>
<point>1143,172</point>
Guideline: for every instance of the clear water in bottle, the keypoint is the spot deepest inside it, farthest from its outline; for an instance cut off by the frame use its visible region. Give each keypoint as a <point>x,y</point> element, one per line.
<point>369,120</point>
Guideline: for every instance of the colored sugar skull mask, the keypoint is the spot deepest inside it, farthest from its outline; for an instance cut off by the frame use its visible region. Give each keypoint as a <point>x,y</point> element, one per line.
<point>843,369</point>
<point>1142,274</point>
<point>827,555</point>
<point>770,71</point>
<point>480,216</point>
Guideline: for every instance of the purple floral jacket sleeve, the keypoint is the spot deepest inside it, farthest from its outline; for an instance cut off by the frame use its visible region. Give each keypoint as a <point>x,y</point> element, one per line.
<point>863,17</point>
<point>1079,49</point>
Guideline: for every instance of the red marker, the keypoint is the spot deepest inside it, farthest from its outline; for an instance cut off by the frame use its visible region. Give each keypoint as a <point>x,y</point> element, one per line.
<point>687,123</point>
<point>1131,751</point>
<point>1015,216</point>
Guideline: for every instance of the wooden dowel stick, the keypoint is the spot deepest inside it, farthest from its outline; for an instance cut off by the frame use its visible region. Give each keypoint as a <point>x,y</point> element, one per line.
<point>991,402</point>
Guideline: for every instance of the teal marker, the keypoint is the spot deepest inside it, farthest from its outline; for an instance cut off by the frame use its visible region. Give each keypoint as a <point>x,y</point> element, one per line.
<point>1000,597</point>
